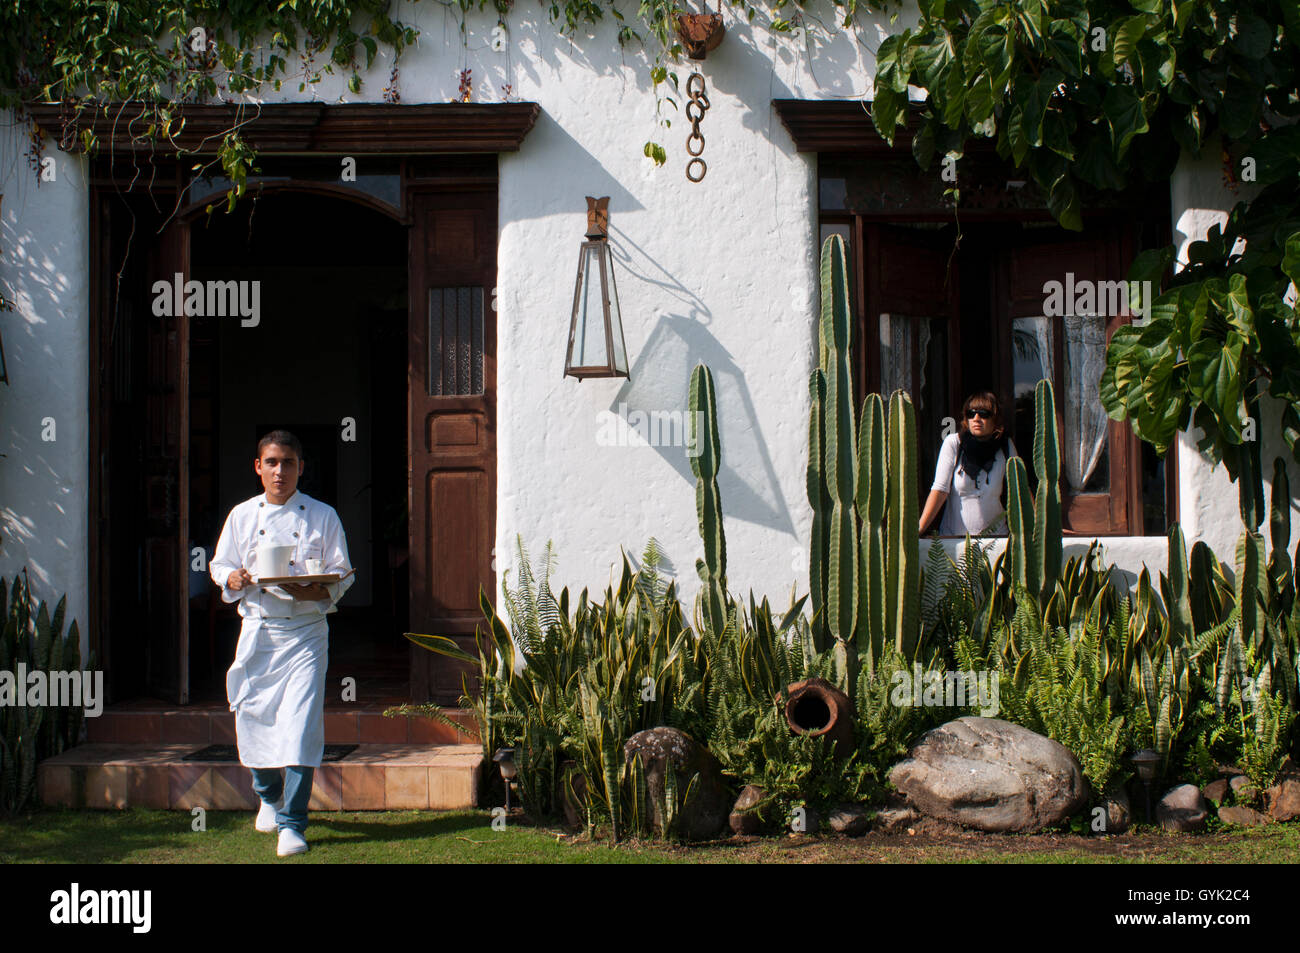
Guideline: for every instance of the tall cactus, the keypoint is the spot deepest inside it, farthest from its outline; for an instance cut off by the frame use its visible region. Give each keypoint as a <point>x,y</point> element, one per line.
<point>872,491</point>
<point>708,501</point>
<point>841,458</point>
<point>819,498</point>
<point>1034,543</point>
<point>903,549</point>
<point>864,567</point>
<point>1047,503</point>
<point>1020,527</point>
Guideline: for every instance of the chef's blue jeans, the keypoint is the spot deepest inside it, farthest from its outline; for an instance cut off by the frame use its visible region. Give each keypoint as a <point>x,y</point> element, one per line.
<point>294,784</point>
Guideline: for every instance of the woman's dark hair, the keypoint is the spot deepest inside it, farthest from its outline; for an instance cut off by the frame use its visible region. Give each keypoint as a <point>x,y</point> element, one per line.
<point>984,400</point>
<point>284,439</point>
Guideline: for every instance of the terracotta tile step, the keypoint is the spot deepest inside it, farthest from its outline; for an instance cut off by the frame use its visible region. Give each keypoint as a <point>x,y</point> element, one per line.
<point>363,724</point>
<point>374,777</point>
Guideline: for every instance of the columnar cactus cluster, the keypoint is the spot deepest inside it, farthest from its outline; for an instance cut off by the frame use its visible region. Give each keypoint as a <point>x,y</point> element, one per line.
<point>864,566</point>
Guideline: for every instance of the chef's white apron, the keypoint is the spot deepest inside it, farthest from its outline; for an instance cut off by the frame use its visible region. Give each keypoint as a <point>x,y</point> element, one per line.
<point>276,688</point>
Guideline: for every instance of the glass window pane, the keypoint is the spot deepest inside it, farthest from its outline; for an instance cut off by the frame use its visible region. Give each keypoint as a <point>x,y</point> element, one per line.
<point>589,335</point>
<point>895,354</point>
<point>456,334</point>
<point>834,194</point>
<point>615,317</point>
<point>1031,362</point>
<point>1086,423</point>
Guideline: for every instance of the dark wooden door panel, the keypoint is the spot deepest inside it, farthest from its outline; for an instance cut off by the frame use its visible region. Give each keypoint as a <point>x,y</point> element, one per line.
<point>166,557</point>
<point>452,418</point>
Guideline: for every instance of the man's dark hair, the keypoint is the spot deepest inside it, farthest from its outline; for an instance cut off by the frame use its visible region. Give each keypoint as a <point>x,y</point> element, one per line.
<point>284,439</point>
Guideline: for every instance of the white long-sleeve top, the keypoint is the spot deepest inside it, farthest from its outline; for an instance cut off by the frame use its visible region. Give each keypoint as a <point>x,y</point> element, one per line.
<point>312,527</point>
<point>972,503</point>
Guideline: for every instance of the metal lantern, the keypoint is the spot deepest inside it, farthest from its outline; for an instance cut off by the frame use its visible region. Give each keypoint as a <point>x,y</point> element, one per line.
<point>596,347</point>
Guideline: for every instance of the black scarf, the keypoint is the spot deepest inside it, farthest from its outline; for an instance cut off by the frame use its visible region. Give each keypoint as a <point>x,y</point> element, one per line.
<point>976,456</point>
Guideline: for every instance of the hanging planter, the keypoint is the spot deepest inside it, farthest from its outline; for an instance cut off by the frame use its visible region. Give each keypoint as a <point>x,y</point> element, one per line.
<point>700,33</point>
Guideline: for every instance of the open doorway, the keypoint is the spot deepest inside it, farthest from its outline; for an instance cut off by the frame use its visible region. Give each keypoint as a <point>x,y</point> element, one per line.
<point>325,357</point>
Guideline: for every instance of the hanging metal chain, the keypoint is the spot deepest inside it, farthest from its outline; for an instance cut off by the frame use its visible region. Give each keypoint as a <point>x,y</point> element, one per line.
<point>695,141</point>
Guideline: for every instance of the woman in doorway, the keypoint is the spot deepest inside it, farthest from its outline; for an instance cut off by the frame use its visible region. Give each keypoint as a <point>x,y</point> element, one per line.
<point>973,465</point>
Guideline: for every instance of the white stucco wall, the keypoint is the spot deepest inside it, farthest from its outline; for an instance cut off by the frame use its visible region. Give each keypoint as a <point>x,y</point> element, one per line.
<point>723,272</point>
<point>44,418</point>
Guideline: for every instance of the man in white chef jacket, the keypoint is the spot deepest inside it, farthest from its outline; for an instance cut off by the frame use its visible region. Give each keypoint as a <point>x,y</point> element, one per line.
<point>276,685</point>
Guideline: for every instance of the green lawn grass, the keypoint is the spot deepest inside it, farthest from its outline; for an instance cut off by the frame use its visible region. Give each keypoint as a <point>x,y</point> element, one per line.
<point>150,837</point>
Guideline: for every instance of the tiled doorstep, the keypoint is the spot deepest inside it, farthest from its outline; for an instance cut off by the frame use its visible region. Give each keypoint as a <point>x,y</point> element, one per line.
<point>364,724</point>
<point>375,777</point>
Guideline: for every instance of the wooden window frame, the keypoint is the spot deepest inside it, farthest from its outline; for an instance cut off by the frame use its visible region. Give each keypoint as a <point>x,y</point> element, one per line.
<point>839,131</point>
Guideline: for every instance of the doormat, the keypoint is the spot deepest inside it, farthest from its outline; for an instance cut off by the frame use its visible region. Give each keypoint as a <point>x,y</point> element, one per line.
<point>231,753</point>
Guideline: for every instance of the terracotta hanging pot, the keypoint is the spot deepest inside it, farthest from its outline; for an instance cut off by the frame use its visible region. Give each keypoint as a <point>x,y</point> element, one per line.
<point>700,33</point>
<point>816,707</point>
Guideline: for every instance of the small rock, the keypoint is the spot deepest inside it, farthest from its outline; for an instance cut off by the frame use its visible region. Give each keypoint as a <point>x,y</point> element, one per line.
<point>742,820</point>
<point>1242,816</point>
<point>1242,789</point>
<point>891,820</point>
<point>1182,809</point>
<point>1119,812</point>
<point>1283,799</point>
<point>850,819</point>
<point>1216,791</point>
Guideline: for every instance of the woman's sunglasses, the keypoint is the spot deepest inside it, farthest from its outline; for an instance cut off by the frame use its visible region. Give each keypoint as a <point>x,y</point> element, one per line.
<point>981,414</point>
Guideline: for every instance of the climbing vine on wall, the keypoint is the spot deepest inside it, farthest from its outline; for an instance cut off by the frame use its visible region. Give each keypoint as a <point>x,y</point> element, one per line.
<point>157,54</point>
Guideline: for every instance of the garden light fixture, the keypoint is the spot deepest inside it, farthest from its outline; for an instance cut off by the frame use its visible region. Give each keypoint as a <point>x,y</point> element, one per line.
<point>1145,761</point>
<point>596,347</point>
<point>505,761</point>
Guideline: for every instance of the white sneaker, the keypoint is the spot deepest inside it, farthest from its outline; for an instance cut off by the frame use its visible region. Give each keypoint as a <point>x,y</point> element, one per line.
<point>291,842</point>
<point>265,822</point>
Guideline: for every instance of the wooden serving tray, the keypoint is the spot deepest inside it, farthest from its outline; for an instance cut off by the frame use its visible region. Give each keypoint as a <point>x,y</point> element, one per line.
<point>304,579</point>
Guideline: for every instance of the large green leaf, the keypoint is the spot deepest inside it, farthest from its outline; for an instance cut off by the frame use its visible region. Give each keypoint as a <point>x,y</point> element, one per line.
<point>1215,377</point>
<point>1124,36</point>
<point>1063,201</point>
<point>1291,260</point>
<point>1124,115</point>
<point>885,111</point>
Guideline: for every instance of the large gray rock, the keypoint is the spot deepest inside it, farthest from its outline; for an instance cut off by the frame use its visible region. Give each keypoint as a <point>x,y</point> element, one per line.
<point>1182,809</point>
<point>992,775</point>
<point>705,814</point>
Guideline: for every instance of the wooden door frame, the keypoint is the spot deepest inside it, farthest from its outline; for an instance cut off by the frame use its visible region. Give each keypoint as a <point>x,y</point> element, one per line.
<point>440,146</point>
